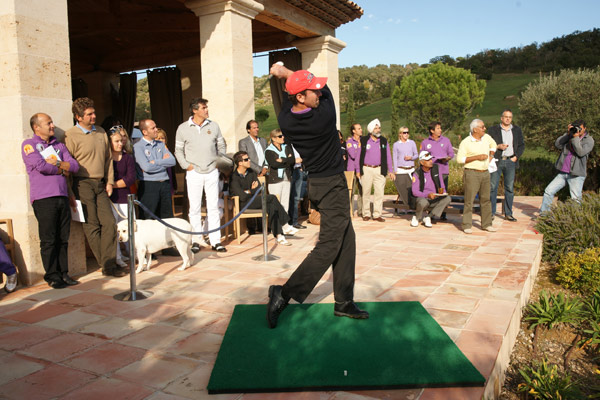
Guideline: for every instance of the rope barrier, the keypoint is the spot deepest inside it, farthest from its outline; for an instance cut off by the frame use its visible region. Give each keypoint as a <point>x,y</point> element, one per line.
<point>146,210</point>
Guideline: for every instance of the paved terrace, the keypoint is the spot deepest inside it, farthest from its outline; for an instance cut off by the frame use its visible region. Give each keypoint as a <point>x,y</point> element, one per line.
<point>79,343</point>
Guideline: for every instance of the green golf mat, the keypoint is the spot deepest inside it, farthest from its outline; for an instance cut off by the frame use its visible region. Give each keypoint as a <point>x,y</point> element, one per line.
<point>399,346</point>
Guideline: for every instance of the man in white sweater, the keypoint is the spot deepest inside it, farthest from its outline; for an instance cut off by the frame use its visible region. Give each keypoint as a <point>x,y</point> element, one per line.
<point>198,144</point>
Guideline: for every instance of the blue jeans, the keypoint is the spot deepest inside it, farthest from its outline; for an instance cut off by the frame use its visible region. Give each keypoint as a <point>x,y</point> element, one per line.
<point>298,177</point>
<point>559,182</point>
<point>506,168</point>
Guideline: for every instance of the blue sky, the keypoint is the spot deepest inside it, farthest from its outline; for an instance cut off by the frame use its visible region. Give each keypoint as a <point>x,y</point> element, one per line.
<point>401,32</point>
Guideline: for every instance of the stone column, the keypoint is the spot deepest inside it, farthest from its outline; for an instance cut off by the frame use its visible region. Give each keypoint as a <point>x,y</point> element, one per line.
<point>227,72</point>
<point>191,83</point>
<point>35,76</point>
<point>320,56</point>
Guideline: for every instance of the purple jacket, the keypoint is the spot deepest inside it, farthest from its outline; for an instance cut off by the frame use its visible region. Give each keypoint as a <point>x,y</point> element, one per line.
<point>44,179</point>
<point>353,151</point>
<point>124,169</point>
<point>441,148</point>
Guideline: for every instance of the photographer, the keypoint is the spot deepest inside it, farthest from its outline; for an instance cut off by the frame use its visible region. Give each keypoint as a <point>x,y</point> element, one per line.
<point>575,145</point>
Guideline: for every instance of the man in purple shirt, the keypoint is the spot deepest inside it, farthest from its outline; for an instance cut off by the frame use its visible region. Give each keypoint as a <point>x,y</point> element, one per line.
<point>47,162</point>
<point>441,149</point>
<point>353,152</point>
<point>429,190</point>
<point>375,165</point>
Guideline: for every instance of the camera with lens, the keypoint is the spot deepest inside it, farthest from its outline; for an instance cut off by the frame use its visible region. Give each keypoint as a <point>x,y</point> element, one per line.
<point>574,130</point>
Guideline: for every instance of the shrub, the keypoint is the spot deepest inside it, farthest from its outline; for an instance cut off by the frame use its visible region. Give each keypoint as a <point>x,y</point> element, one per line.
<point>591,307</point>
<point>580,272</point>
<point>545,382</point>
<point>553,309</point>
<point>570,227</point>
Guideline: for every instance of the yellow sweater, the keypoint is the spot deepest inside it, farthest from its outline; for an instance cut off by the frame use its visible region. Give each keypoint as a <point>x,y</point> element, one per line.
<point>92,152</point>
<point>470,147</point>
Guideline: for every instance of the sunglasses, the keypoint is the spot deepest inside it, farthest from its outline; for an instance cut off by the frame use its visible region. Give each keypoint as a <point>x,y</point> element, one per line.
<point>115,128</point>
<point>405,133</point>
<point>280,136</point>
<point>245,159</point>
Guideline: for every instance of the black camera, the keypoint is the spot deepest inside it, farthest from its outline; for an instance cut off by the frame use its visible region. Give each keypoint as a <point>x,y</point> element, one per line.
<point>574,130</point>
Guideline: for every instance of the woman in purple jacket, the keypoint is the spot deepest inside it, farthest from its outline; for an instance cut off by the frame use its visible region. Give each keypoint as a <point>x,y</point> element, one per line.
<point>124,167</point>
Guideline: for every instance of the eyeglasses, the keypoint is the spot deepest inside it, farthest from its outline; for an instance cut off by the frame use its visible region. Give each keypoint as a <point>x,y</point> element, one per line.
<point>245,159</point>
<point>115,128</point>
<point>404,133</point>
<point>280,136</point>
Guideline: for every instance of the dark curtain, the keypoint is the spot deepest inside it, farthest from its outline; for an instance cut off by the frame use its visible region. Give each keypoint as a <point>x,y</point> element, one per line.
<point>127,96</point>
<point>292,59</point>
<point>78,88</point>
<point>164,85</point>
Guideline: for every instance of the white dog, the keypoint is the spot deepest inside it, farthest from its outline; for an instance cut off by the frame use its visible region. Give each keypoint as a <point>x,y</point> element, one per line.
<point>152,236</point>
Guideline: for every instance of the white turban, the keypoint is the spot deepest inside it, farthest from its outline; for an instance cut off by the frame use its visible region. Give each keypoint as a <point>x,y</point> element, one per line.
<point>372,125</point>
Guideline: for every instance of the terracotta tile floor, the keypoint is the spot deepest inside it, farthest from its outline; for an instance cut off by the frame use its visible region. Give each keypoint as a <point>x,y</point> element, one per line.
<point>81,343</point>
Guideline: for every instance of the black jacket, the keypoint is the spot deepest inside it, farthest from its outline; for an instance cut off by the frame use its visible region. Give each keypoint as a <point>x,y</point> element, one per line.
<point>518,143</point>
<point>383,144</point>
<point>286,163</point>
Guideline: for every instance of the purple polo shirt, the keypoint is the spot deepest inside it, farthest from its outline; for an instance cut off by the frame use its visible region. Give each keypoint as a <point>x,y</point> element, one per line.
<point>124,169</point>
<point>353,151</point>
<point>402,149</point>
<point>429,186</point>
<point>440,148</point>
<point>44,180</point>
<point>373,154</point>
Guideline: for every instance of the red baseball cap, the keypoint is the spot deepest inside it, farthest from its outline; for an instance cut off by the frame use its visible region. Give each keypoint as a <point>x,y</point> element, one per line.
<point>302,80</point>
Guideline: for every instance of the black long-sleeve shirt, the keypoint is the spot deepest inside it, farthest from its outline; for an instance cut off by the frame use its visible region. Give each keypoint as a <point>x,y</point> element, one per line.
<point>314,135</point>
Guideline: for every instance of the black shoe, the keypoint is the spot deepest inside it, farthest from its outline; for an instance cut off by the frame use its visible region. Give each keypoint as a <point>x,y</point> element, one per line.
<point>171,251</point>
<point>57,284</point>
<point>510,218</point>
<point>70,281</point>
<point>153,257</point>
<point>116,272</point>
<point>276,305</point>
<point>251,231</point>
<point>443,217</point>
<point>219,248</point>
<point>349,309</point>
<point>195,248</point>
<point>299,226</point>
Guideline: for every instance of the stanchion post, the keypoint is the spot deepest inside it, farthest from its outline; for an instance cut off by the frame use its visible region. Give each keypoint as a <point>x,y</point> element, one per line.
<point>131,230</point>
<point>263,197</point>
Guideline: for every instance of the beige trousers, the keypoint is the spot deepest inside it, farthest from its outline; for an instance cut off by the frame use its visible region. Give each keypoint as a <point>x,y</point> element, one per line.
<point>372,177</point>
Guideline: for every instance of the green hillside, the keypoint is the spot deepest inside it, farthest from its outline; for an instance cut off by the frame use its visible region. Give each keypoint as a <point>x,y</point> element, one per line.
<point>501,92</point>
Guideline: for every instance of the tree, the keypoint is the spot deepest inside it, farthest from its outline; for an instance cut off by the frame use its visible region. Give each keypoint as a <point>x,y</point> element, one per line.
<point>350,107</point>
<point>395,111</point>
<point>142,102</point>
<point>261,115</point>
<point>551,103</point>
<point>439,92</point>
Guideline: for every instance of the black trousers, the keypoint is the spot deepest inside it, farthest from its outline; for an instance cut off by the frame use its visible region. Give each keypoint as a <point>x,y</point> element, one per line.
<point>54,227</point>
<point>336,246</point>
<point>275,211</point>
<point>157,197</point>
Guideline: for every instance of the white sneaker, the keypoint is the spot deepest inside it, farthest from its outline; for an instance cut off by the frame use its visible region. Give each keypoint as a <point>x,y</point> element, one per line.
<point>490,229</point>
<point>11,283</point>
<point>427,222</point>
<point>468,231</point>
<point>289,230</point>
<point>281,240</point>
<point>414,222</point>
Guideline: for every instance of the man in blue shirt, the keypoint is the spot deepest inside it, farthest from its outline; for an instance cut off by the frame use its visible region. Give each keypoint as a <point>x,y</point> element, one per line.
<point>152,159</point>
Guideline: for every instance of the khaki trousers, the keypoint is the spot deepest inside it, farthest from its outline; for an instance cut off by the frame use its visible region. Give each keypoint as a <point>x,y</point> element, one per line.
<point>477,182</point>
<point>372,177</point>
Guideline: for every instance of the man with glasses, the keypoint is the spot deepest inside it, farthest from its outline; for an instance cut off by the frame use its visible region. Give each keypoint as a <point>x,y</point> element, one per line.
<point>441,149</point>
<point>198,144</point>
<point>476,152</point>
<point>244,183</point>
<point>308,121</point>
<point>510,148</point>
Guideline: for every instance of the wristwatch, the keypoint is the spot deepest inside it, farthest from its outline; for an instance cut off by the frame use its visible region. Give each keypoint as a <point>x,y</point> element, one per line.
<point>58,164</point>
